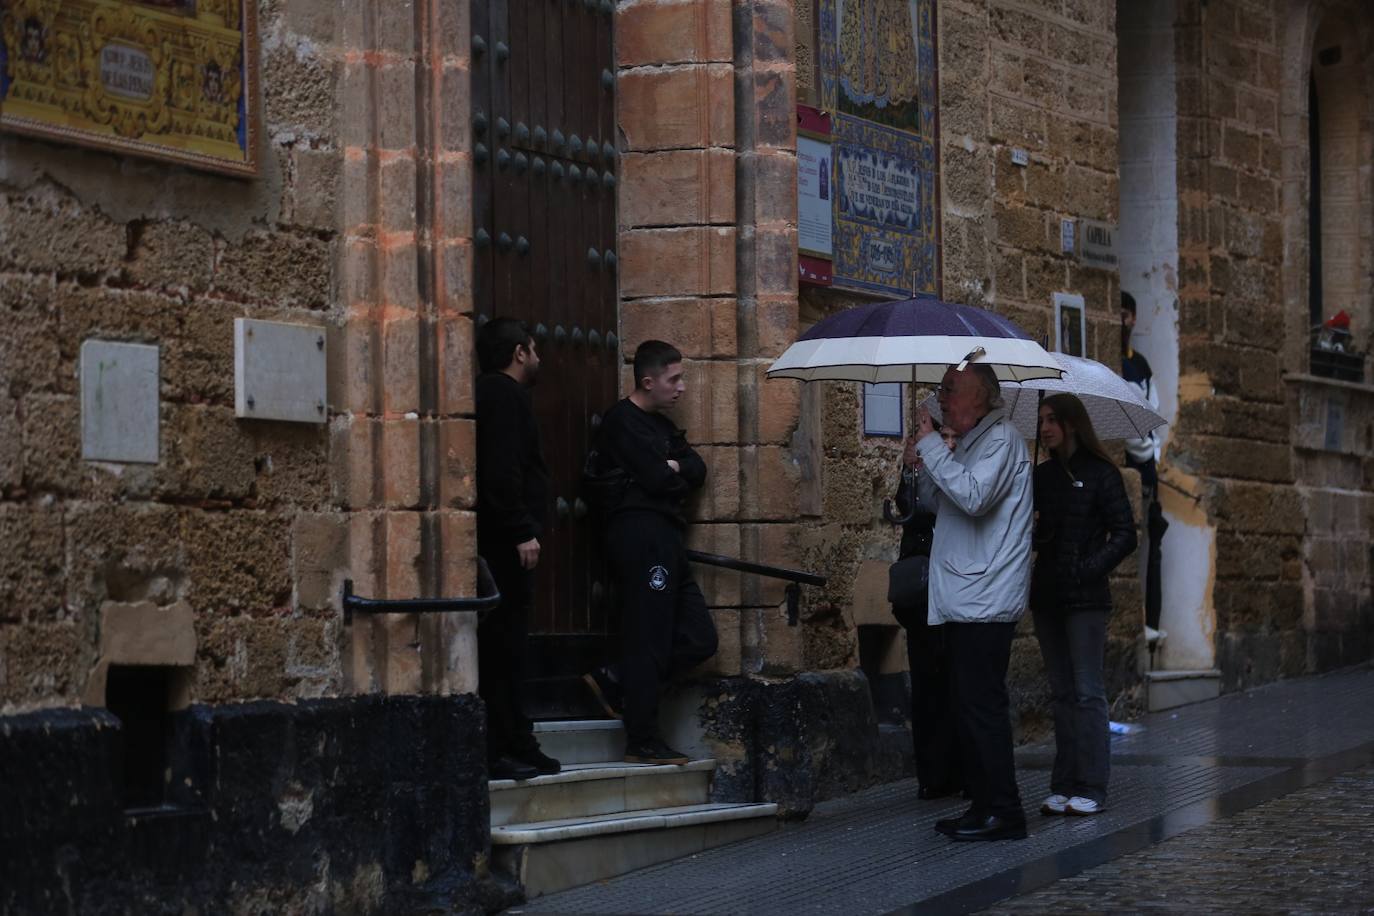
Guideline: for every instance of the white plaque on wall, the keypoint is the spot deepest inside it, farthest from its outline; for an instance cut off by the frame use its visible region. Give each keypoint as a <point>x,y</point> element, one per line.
<point>119,402</point>
<point>279,371</point>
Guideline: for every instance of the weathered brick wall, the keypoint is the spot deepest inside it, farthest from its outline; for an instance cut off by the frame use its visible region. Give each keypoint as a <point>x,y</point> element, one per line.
<point>1290,505</point>
<point>708,238</point>
<point>358,224</point>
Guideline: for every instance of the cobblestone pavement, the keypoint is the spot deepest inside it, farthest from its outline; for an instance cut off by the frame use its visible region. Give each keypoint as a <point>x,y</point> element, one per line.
<point>1308,852</point>
<point>1188,770</point>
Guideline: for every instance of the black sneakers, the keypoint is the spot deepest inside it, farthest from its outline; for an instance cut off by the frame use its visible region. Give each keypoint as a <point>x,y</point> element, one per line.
<point>607,692</point>
<point>653,751</point>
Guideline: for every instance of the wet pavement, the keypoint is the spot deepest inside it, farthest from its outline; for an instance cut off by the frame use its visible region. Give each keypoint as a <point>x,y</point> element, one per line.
<point>1308,852</point>
<point>1244,765</point>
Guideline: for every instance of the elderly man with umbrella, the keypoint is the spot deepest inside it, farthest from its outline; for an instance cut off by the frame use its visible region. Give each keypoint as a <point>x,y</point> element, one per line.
<point>981,495</point>
<point>980,567</point>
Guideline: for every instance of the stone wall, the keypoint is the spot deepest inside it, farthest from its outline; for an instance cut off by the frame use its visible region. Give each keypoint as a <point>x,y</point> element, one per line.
<point>708,236</point>
<point>1251,452</point>
<point>357,225</point>
<point>225,560</point>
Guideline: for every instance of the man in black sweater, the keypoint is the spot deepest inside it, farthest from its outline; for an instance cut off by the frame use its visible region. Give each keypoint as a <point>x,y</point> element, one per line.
<point>512,507</point>
<point>665,626</point>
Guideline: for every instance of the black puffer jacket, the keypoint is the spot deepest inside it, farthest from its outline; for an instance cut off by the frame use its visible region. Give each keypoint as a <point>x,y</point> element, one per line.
<point>1083,531</point>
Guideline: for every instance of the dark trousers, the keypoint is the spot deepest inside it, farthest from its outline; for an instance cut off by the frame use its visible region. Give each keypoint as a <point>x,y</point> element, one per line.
<point>501,639</point>
<point>979,654</point>
<point>1073,646</point>
<point>1155,526</point>
<point>665,627</point>
<point>933,732</point>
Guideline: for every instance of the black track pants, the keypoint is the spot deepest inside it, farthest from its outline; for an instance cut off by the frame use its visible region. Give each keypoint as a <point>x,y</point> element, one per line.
<point>501,638</point>
<point>664,625</point>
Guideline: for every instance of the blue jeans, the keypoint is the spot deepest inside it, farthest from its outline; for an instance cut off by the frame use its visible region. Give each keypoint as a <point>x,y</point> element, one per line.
<point>1072,645</point>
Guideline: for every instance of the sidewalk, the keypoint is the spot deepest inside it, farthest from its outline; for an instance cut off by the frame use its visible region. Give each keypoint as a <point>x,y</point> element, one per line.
<point>875,852</point>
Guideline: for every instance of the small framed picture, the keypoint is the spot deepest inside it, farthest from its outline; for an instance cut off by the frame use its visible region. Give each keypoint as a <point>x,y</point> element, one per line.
<point>883,413</point>
<point>1070,324</point>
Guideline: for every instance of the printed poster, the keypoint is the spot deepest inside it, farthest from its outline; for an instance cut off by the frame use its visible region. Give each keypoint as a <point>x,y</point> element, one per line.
<point>814,197</point>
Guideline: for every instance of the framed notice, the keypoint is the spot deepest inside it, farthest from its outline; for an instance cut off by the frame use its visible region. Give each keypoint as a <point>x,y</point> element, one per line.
<point>815,185</point>
<point>173,80</point>
<point>1070,324</point>
<point>815,196</point>
<point>883,409</point>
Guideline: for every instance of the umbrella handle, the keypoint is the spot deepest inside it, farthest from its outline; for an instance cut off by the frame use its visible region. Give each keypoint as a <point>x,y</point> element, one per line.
<point>890,513</point>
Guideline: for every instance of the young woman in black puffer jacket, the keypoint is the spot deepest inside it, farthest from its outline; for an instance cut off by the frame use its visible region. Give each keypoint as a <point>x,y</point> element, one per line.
<point>1084,528</point>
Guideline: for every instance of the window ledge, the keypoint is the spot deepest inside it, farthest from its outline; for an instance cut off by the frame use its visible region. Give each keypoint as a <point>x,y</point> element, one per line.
<point>1302,378</point>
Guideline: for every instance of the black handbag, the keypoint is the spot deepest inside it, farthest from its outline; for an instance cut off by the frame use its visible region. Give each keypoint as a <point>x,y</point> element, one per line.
<point>907,580</point>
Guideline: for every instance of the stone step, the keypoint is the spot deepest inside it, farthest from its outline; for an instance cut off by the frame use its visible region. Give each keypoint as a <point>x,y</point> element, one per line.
<point>576,741</point>
<point>593,789</point>
<point>549,856</point>
<point>1169,689</point>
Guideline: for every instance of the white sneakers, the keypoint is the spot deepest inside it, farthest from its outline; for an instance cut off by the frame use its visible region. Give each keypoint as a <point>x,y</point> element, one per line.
<point>1059,804</point>
<point>1082,806</point>
<point>1055,804</point>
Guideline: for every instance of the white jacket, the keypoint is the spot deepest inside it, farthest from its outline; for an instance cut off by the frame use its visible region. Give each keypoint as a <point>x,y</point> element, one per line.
<point>980,563</point>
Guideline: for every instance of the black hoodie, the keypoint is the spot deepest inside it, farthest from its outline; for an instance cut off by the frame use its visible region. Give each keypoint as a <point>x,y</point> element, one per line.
<point>640,443</point>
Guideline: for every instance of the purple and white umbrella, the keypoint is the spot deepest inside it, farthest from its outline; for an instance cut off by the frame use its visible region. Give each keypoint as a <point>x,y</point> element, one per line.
<point>1117,409</point>
<point>914,340</point>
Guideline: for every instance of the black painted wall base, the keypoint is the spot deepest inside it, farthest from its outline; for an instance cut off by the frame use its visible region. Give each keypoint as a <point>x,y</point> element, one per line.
<point>366,804</point>
<point>805,739</point>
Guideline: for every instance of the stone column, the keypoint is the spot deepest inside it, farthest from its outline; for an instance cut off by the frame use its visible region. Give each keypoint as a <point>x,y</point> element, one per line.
<point>403,435</point>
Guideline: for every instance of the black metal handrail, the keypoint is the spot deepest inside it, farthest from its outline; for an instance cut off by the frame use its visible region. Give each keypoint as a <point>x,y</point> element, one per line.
<point>488,597</point>
<point>795,578</point>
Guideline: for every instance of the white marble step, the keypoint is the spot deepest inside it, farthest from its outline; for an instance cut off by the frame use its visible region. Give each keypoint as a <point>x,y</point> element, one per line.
<point>553,855</point>
<point>1171,689</point>
<point>591,789</point>
<point>582,740</point>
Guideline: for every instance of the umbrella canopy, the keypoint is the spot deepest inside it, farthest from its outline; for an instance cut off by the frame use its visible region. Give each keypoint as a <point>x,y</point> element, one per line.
<point>1117,408</point>
<point>914,340</point>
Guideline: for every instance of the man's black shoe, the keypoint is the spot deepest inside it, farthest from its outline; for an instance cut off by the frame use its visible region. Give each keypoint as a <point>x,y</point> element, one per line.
<point>991,827</point>
<point>654,751</point>
<point>948,825</point>
<point>536,758</point>
<point>510,768</point>
<point>606,691</point>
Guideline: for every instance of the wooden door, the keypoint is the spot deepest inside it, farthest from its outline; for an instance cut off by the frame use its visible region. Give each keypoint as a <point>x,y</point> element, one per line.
<point>545,178</point>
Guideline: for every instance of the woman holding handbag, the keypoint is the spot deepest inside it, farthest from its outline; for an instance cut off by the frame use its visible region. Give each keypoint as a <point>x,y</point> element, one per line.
<point>1084,529</point>
<point>932,707</point>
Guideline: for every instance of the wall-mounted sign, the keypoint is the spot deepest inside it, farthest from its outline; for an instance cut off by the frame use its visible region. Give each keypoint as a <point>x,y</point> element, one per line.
<point>1098,245</point>
<point>167,79</point>
<point>814,183</point>
<point>1068,236</point>
<point>815,197</point>
<point>1070,324</point>
<point>877,74</point>
<point>884,208</point>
